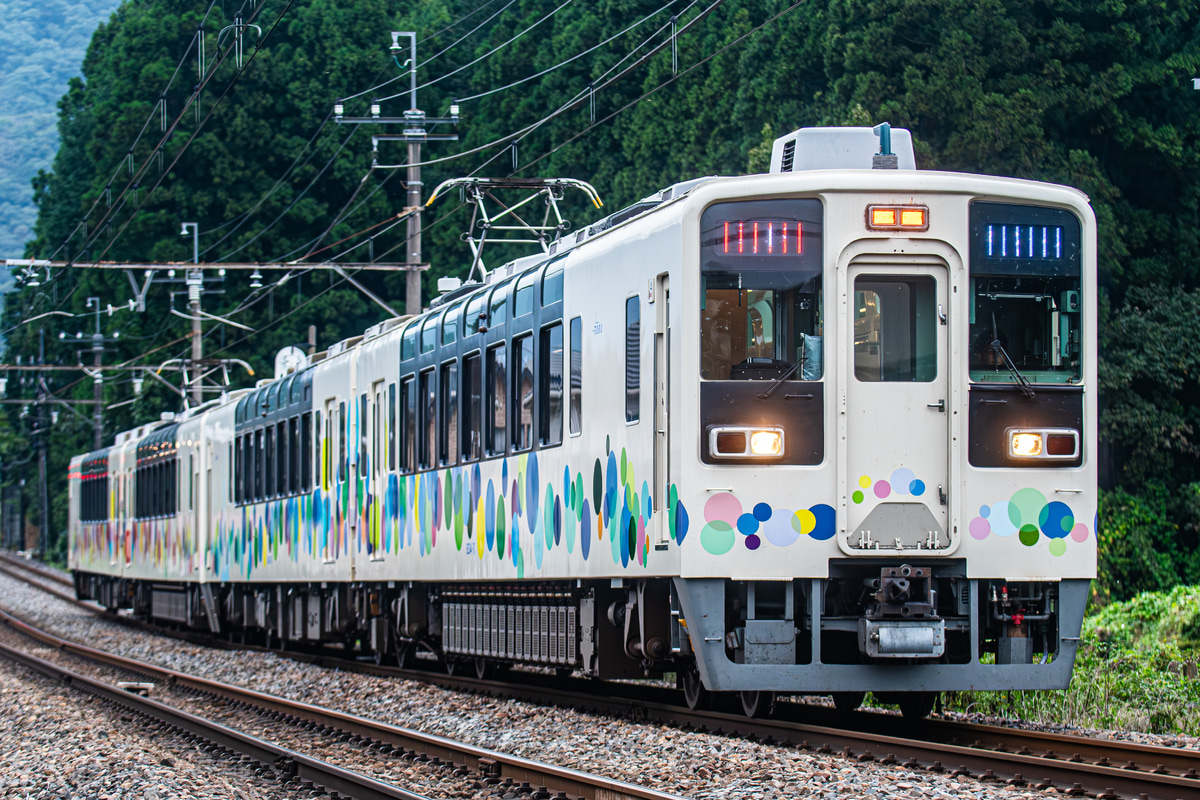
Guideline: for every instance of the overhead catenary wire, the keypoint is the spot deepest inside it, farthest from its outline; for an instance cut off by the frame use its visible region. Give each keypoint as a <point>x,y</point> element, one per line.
<point>185,58</point>
<point>486,55</point>
<point>570,104</point>
<point>245,217</point>
<point>465,36</point>
<point>193,98</point>
<point>664,84</point>
<point>575,57</point>
<point>593,88</point>
<point>311,183</point>
<point>427,61</point>
<point>229,87</point>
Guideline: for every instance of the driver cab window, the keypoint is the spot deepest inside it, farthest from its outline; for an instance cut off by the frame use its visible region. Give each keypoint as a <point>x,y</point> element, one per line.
<point>1026,302</point>
<point>760,307</point>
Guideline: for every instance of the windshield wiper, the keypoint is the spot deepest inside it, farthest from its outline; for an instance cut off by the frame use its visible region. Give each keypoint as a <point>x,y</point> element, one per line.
<point>998,349</point>
<point>774,387</point>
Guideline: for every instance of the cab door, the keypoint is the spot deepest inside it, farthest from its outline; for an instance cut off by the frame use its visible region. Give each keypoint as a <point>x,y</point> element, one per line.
<point>897,395</point>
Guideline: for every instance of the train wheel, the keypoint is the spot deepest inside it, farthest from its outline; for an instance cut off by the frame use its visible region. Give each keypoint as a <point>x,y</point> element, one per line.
<point>453,667</point>
<point>916,705</point>
<point>406,653</point>
<point>694,693</point>
<point>484,669</point>
<point>845,702</point>
<point>757,703</point>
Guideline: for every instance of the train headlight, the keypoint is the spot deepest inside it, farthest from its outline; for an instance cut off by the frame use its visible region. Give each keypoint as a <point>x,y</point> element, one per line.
<point>1025,445</point>
<point>745,442</point>
<point>1049,444</point>
<point>766,443</point>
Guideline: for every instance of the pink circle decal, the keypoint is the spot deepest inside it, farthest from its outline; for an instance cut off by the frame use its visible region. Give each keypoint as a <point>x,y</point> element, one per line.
<point>1080,532</point>
<point>980,528</point>
<point>724,507</point>
<point>882,489</point>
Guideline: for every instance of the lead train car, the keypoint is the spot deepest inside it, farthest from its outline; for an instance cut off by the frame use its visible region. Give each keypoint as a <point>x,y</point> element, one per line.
<point>818,431</point>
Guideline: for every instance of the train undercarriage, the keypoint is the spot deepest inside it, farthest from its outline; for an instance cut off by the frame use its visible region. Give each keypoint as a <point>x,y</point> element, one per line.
<point>902,631</point>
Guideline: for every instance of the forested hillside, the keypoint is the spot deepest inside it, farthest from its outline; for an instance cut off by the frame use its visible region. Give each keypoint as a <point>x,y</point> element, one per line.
<point>1097,96</point>
<point>41,45</point>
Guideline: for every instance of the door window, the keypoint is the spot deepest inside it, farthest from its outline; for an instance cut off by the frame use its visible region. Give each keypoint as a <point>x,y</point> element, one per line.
<point>895,329</point>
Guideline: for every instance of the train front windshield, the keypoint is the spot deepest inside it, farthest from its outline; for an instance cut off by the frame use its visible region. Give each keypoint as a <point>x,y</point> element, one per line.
<point>1026,303</point>
<point>760,302</point>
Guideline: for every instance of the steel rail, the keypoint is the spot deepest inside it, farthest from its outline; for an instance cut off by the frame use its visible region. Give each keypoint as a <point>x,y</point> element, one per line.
<point>1104,768</point>
<point>289,762</point>
<point>488,763</point>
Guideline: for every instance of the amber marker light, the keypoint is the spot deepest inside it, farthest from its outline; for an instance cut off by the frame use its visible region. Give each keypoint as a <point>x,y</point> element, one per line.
<point>898,218</point>
<point>883,217</point>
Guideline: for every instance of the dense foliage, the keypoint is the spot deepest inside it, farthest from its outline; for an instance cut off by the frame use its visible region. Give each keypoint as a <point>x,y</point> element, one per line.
<point>41,45</point>
<point>1095,95</point>
<point>1137,669</point>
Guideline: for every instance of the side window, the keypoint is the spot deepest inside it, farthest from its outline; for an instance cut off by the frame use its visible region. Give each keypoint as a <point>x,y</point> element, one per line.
<point>552,284</point>
<point>408,425</point>
<point>448,437</point>
<point>361,427</point>
<point>476,307</point>
<point>296,451</point>
<point>259,466</point>
<point>269,465</point>
<point>576,413</point>
<point>428,417</point>
<point>376,438</point>
<point>408,344</point>
<point>633,347</point>
<point>238,468</point>
<point>306,449</point>
<point>551,386</point>
<point>498,306</point>
<point>523,297</point>
<point>497,407</point>
<point>429,334</point>
<point>391,426</point>
<point>339,427</point>
<point>283,456</point>
<point>472,389</point>
<point>523,387</point>
<point>450,324</point>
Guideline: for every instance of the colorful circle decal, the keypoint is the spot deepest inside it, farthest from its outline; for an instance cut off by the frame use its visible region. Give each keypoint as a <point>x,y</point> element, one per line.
<point>717,537</point>
<point>1029,516</point>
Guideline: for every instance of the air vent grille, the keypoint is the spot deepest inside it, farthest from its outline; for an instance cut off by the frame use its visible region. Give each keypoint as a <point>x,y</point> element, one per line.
<point>789,156</point>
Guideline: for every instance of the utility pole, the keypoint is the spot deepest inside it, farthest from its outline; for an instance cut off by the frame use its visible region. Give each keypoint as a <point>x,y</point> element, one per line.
<point>97,379</point>
<point>195,286</point>
<point>414,134</point>
<point>43,490</point>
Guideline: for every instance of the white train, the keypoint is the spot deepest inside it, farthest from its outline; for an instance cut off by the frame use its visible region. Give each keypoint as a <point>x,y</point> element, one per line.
<point>827,430</point>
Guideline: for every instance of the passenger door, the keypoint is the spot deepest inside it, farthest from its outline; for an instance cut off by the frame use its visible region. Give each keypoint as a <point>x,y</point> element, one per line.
<point>897,393</point>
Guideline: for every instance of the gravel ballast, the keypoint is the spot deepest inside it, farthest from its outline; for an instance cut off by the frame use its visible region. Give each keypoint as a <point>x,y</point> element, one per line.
<point>691,764</point>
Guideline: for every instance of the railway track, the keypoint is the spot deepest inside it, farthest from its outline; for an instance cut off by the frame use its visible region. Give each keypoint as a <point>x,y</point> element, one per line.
<point>1072,764</point>
<point>492,770</point>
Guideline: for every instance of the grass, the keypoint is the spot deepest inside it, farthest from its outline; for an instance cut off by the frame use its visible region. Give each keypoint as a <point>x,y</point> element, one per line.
<point>1137,670</point>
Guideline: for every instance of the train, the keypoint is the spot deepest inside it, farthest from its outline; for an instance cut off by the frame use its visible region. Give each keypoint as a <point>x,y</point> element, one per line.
<point>825,430</point>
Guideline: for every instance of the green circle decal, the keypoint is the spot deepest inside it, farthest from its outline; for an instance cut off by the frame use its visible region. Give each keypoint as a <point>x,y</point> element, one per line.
<point>717,537</point>
<point>1029,535</point>
<point>1025,507</point>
